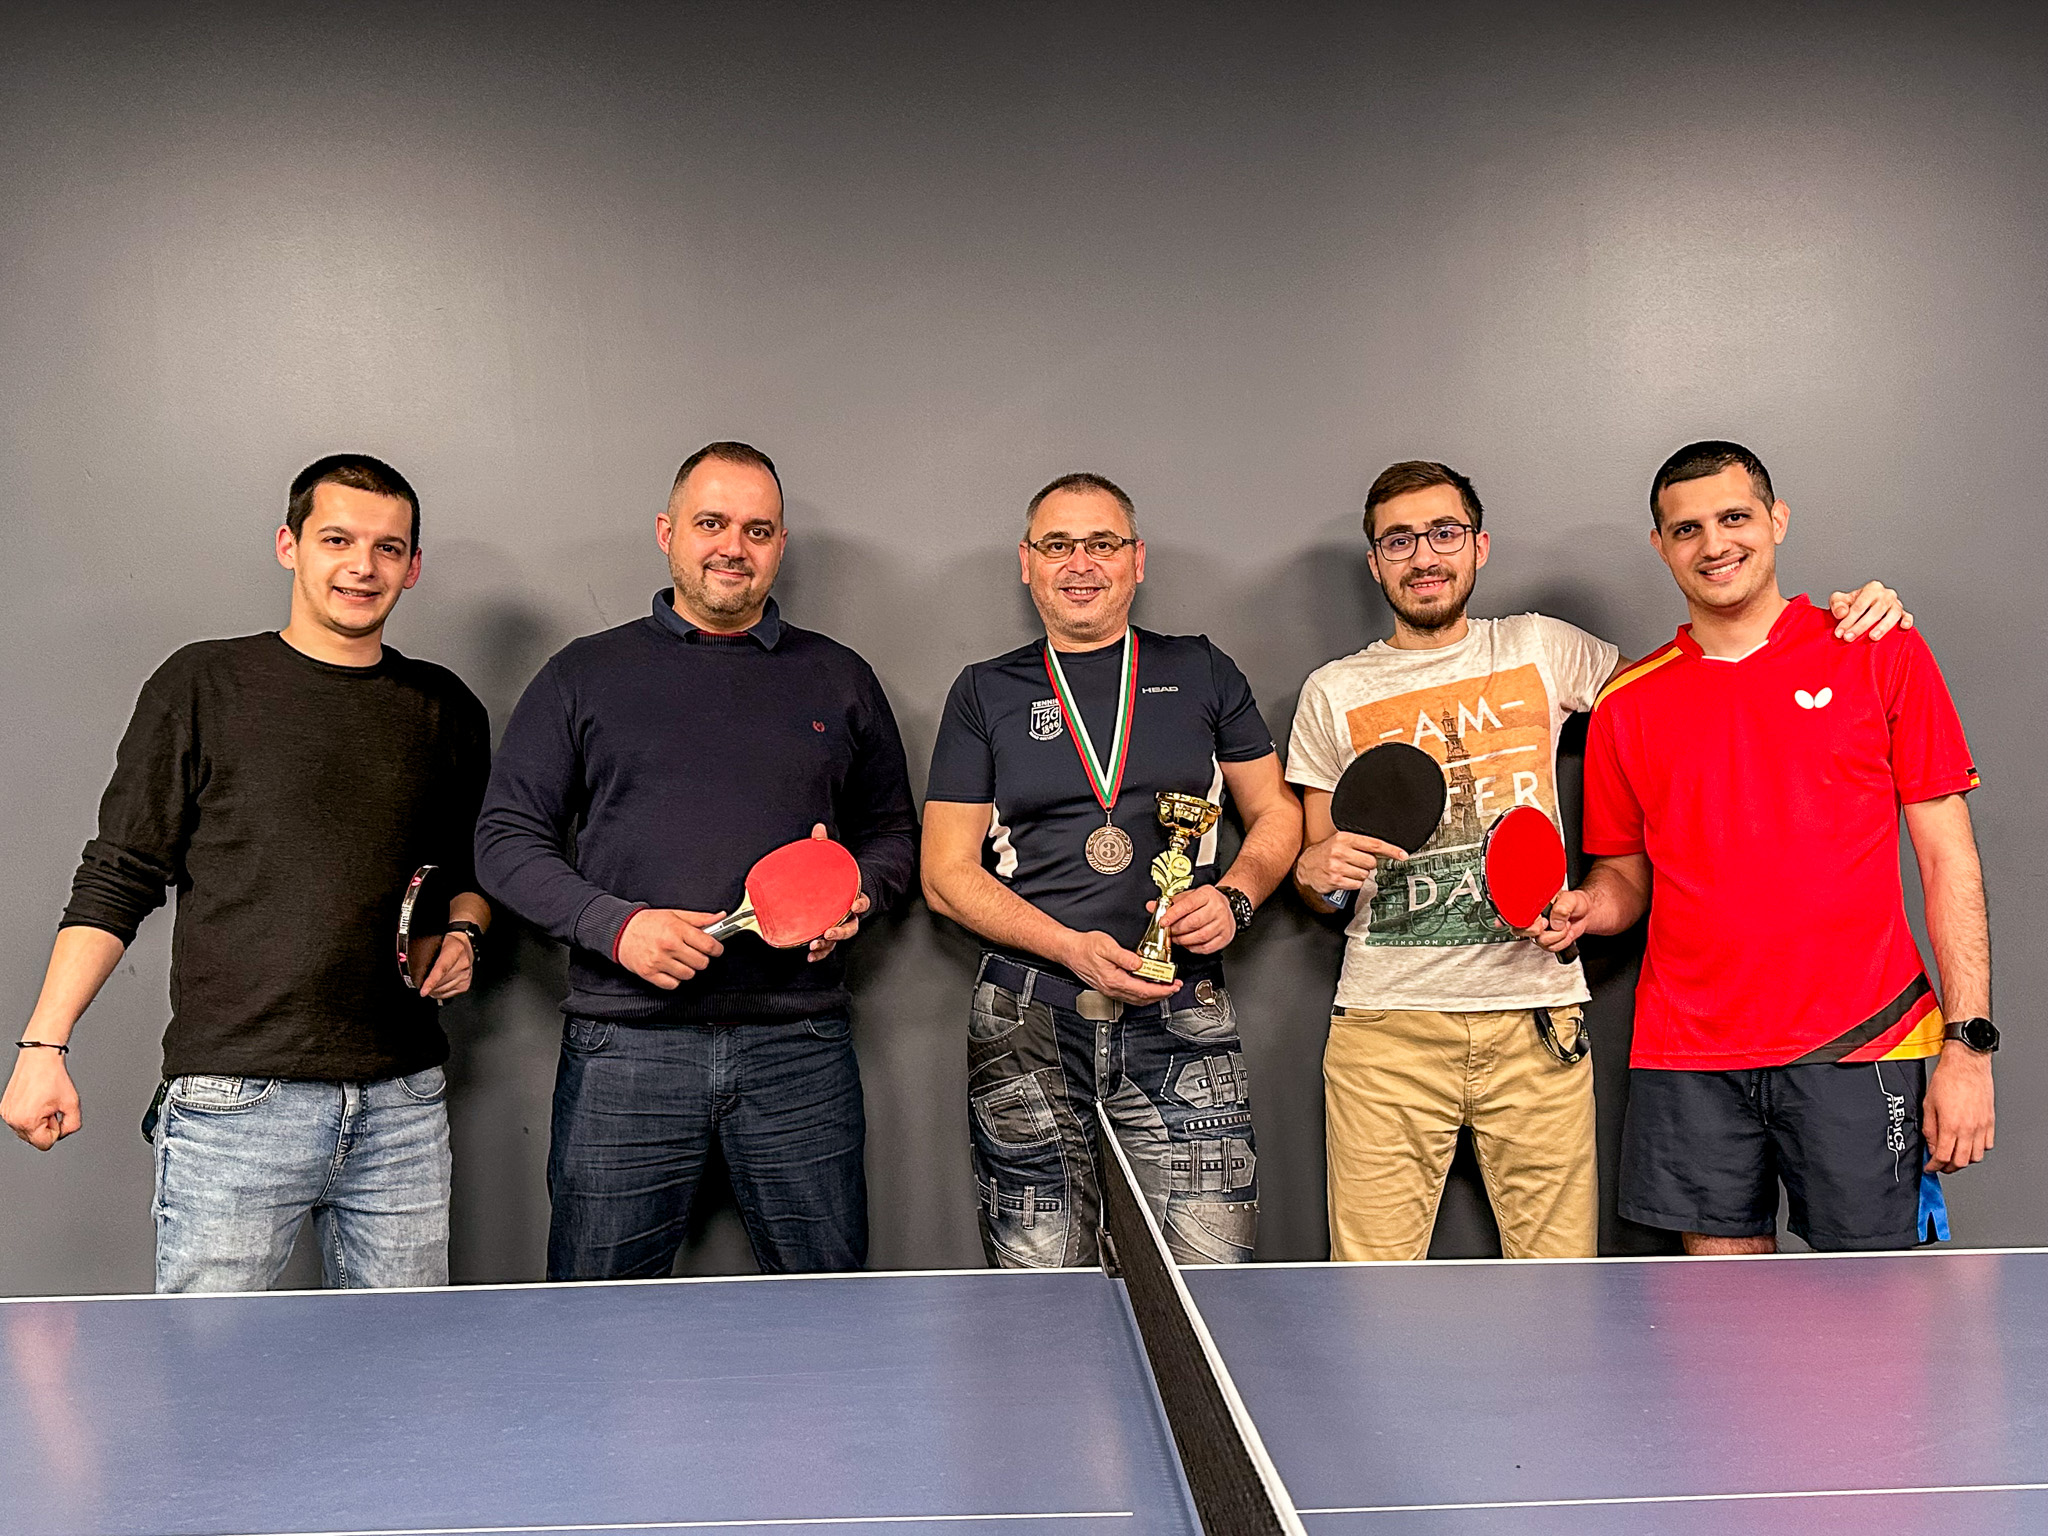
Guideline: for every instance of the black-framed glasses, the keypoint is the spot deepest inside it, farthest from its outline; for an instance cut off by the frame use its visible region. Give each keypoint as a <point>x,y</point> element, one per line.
<point>1444,538</point>
<point>1101,546</point>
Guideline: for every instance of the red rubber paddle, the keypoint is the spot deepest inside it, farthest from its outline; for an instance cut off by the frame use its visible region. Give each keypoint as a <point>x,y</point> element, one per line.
<point>795,893</point>
<point>1525,870</point>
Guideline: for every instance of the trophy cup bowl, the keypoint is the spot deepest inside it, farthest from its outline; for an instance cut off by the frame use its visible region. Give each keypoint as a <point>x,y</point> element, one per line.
<point>1185,817</point>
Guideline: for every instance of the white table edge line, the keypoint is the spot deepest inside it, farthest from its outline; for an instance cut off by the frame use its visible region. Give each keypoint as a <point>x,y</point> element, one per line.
<point>1679,1498</point>
<point>703,1525</point>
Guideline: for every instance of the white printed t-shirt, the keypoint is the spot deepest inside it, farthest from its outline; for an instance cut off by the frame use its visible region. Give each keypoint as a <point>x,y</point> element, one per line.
<point>1489,709</point>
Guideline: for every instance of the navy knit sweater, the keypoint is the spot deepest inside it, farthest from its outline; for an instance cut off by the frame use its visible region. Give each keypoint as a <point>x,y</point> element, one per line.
<point>652,764</point>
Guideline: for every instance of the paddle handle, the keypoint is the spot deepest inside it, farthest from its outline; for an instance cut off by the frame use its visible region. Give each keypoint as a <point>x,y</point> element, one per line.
<point>726,927</point>
<point>1570,952</point>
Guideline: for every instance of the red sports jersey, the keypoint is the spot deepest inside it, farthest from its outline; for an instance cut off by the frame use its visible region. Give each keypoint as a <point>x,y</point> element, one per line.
<point>1766,793</point>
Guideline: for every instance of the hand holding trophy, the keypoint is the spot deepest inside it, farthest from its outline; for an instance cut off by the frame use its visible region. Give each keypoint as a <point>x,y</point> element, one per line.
<point>1185,817</point>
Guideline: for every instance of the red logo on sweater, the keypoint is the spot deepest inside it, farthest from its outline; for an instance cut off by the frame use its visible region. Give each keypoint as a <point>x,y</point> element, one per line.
<point>817,725</point>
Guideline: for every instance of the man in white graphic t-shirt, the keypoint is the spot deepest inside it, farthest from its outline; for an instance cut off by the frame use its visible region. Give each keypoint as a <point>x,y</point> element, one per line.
<point>1443,1016</point>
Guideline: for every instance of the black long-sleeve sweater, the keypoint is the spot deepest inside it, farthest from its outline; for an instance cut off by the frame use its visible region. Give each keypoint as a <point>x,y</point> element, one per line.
<point>652,764</point>
<point>287,801</point>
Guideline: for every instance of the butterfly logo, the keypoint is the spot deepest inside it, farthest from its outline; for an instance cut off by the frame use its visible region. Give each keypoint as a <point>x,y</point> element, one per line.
<point>1807,700</point>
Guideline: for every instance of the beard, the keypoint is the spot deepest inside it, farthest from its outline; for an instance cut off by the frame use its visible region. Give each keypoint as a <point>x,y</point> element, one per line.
<point>1439,613</point>
<point>716,600</point>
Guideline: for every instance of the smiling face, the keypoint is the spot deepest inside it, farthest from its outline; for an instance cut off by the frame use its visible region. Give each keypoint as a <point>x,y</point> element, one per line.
<point>1428,590</point>
<point>723,535</point>
<point>1084,601</point>
<point>350,560</point>
<point>1720,540</point>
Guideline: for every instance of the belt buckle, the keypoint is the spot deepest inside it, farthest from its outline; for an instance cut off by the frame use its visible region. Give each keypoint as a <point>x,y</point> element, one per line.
<point>1097,1007</point>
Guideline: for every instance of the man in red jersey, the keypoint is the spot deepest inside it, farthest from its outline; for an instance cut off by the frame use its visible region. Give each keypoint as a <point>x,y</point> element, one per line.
<point>1752,750</point>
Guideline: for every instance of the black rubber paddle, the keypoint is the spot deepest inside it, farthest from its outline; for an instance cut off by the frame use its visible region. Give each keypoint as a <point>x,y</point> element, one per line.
<point>1393,792</point>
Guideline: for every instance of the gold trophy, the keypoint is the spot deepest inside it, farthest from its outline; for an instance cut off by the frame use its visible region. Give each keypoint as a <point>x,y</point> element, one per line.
<point>1185,817</point>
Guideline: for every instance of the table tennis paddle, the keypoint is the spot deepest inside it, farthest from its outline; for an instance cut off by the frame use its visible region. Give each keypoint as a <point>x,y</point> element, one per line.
<point>1393,792</point>
<point>422,922</point>
<point>795,893</point>
<point>1525,870</point>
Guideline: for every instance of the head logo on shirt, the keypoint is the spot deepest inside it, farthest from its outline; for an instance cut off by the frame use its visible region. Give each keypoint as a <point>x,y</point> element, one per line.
<point>1045,720</point>
<point>1807,700</point>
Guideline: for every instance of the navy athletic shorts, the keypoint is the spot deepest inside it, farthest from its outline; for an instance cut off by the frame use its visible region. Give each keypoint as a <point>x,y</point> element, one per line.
<point>1706,1151</point>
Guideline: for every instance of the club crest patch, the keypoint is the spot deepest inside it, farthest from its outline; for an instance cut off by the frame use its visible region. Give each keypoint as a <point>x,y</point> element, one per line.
<point>1045,720</point>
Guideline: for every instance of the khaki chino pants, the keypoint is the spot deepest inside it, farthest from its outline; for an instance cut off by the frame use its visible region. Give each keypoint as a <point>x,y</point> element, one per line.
<point>1398,1083</point>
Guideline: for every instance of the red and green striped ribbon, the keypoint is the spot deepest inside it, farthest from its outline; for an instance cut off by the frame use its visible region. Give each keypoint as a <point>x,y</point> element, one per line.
<point>1105,778</point>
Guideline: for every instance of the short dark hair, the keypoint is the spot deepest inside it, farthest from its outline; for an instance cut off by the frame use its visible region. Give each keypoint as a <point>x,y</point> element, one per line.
<point>359,472</point>
<point>1698,461</point>
<point>727,453</point>
<point>1419,475</point>
<point>1082,480</point>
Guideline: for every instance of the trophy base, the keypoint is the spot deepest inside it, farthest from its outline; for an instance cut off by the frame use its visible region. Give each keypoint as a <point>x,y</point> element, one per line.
<point>1158,970</point>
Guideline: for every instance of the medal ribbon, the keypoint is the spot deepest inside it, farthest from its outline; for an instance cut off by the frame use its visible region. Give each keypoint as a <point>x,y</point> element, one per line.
<point>1105,779</point>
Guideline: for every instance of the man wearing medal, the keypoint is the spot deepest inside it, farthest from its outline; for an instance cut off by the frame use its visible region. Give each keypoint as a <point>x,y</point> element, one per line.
<point>1054,770</point>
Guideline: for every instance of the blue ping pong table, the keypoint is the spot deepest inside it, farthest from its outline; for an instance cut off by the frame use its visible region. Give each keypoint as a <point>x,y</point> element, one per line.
<point>1902,1393</point>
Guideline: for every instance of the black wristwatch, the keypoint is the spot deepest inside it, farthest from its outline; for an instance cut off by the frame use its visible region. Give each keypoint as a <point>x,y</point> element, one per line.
<point>472,931</point>
<point>1978,1034</point>
<point>1240,905</point>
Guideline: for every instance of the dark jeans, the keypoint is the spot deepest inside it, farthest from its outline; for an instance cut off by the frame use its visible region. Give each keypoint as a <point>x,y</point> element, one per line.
<point>637,1110</point>
<point>1173,1082</point>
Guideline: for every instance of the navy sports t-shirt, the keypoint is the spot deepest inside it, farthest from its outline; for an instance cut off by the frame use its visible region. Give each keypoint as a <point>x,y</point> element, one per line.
<point>1002,742</point>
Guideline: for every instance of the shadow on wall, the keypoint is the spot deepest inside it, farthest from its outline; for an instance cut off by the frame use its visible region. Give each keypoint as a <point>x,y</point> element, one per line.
<point>911,972</point>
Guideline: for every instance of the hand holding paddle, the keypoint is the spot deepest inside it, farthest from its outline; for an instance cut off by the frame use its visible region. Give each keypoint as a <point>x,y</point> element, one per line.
<point>667,946</point>
<point>1525,876</point>
<point>1386,805</point>
<point>831,938</point>
<point>1564,923</point>
<point>796,893</point>
<point>799,894</point>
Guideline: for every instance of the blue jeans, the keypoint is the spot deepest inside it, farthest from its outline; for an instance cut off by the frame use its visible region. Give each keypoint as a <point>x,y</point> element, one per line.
<point>1173,1082</point>
<point>637,1109</point>
<point>242,1161</point>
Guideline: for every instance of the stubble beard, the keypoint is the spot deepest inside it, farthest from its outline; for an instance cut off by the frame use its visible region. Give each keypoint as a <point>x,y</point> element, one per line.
<point>1428,620</point>
<point>715,602</point>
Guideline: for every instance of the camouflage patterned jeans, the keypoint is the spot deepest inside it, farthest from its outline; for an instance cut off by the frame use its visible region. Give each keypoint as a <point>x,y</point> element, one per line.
<point>1172,1079</point>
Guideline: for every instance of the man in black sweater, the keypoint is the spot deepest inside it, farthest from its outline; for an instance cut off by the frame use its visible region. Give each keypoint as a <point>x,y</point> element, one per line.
<point>286,785</point>
<point>644,771</point>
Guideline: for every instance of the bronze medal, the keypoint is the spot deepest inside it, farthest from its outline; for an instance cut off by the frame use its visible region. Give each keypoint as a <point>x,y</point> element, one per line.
<point>1108,850</point>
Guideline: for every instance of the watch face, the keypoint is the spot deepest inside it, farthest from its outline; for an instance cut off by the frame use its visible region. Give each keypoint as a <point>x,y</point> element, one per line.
<point>1980,1034</point>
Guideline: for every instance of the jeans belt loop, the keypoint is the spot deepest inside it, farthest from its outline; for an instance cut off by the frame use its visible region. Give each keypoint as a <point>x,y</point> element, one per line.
<point>1030,981</point>
<point>981,970</point>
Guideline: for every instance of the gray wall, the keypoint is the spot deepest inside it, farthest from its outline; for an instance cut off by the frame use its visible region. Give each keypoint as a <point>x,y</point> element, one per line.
<point>1238,259</point>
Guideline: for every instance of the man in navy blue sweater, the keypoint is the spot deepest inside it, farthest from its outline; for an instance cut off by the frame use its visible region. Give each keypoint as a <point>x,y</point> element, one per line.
<point>644,771</point>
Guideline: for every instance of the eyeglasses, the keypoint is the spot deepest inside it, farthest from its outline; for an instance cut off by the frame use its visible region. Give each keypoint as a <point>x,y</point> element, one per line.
<point>1101,546</point>
<point>1444,538</point>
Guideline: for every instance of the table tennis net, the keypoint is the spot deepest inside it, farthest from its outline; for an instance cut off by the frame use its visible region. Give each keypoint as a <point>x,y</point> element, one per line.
<point>1235,1488</point>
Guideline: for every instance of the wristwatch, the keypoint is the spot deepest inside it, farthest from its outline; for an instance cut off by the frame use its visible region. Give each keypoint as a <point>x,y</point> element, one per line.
<point>1240,905</point>
<point>1979,1035</point>
<point>472,931</point>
